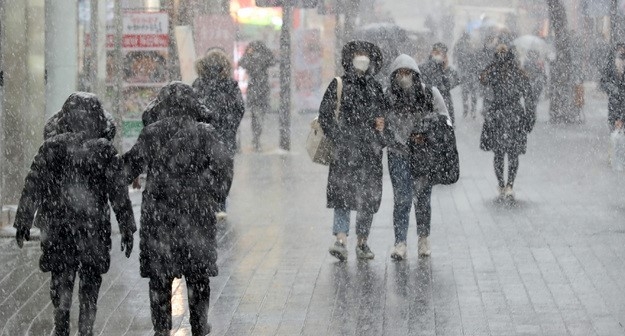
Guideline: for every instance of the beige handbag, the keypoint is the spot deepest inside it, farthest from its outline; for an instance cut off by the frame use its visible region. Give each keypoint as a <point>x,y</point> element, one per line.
<point>319,147</point>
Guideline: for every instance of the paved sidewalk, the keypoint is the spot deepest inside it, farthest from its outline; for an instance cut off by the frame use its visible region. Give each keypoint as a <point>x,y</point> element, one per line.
<point>552,263</point>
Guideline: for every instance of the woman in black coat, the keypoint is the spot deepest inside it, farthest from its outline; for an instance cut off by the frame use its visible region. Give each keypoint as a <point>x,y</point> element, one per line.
<point>70,183</point>
<point>355,177</point>
<point>257,60</point>
<point>184,160</point>
<point>613,83</point>
<point>220,93</point>
<point>507,122</point>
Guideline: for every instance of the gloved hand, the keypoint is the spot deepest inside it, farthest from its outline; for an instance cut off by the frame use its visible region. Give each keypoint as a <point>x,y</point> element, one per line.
<point>127,243</point>
<point>22,234</point>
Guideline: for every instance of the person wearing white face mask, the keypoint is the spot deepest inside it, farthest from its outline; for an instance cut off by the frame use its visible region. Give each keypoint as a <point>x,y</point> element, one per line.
<point>410,102</point>
<point>355,175</point>
<point>437,72</point>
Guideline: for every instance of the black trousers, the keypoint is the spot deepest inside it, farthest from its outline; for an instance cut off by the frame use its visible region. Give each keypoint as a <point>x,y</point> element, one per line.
<point>61,288</point>
<point>198,291</point>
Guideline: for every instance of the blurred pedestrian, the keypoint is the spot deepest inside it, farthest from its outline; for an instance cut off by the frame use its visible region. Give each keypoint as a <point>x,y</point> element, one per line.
<point>437,72</point>
<point>220,93</point>
<point>72,179</point>
<point>410,102</point>
<point>355,176</point>
<point>256,60</point>
<point>613,83</point>
<point>185,160</point>
<point>465,57</point>
<point>507,122</point>
<point>535,69</point>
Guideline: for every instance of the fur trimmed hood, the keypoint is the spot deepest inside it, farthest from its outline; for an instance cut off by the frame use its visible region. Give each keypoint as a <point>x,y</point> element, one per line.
<point>214,64</point>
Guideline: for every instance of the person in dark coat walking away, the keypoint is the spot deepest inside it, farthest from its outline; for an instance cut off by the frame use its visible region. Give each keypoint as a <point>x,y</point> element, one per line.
<point>535,69</point>
<point>72,179</point>
<point>410,102</point>
<point>465,56</point>
<point>185,160</point>
<point>220,93</point>
<point>613,83</point>
<point>256,60</point>
<point>507,122</point>
<point>437,72</point>
<point>355,176</point>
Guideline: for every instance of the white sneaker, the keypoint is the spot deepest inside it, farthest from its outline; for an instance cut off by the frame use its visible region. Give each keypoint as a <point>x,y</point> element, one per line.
<point>364,252</point>
<point>221,215</point>
<point>424,247</point>
<point>508,192</point>
<point>399,251</point>
<point>338,250</point>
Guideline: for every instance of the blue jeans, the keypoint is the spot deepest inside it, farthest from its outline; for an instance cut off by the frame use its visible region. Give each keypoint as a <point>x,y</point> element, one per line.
<point>341,222</point>
<point>407,190</point>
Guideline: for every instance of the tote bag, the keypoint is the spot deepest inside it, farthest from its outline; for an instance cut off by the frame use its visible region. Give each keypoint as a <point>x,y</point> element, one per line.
<point>319,147</point>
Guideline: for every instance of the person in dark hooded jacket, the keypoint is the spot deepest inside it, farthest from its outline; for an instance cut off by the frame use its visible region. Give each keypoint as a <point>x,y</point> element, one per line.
<point>220,93</point>
<point>256,60</point>
<point>185,159</point>
<point>613,83</point>
<point>410,103</point>
<point>70,183</point>
<point>437,72</point>
<point>355,176</point>
<point>507,122</point>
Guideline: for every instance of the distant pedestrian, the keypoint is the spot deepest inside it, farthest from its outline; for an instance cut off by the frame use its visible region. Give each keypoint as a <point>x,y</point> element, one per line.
<point>465,56</point>
<point>535,69</point>
<point>355,176</point>
<point>613,83</point>
<point>437,72</point>
<point>507,122</point>
<point>185,160</point>
<point>410,103</point>
<point>220,93</point>
<point>72,179</point>
<point>256,60</point>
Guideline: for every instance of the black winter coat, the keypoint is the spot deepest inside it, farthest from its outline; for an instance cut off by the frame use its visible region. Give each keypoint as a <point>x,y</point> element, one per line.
<point>257,63</point>
<point>613,84</point>
<point>183,159</point>
<point>70,183</point>
<point>433,74</point>
<point>507,122</point>
<point>355,176</point>
<point>223,97</point>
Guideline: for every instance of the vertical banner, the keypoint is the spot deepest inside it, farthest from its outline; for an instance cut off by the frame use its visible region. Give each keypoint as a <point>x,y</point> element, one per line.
<point>186,53</point>
<point>307,69</point>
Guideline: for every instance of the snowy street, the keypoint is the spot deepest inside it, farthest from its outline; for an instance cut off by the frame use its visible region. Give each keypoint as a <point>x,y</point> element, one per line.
<point>552,263</point>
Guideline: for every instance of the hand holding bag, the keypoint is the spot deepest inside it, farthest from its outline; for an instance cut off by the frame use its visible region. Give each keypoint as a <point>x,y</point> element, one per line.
<point>319,147</point>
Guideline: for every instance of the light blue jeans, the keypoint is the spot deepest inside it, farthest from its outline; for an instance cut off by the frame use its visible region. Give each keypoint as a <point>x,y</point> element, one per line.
<point>341,222</point>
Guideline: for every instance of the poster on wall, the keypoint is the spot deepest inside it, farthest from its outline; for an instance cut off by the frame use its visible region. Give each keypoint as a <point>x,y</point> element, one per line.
<point>307,70</point>
<point>145,45</point>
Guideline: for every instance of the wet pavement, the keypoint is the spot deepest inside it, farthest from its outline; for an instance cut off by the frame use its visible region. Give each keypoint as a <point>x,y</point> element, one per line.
<point>551,263</point>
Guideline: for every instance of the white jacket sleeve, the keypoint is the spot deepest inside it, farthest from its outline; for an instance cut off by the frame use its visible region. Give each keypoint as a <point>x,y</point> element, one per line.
<point>439,104</point>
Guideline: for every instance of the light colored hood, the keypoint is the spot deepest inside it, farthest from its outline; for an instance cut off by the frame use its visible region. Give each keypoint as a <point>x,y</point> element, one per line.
<point>404,61</point>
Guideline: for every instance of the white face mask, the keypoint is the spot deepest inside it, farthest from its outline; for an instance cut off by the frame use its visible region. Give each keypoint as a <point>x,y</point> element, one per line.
<point>361,63</point>
<point>438,58</point>
<point>405,81</point>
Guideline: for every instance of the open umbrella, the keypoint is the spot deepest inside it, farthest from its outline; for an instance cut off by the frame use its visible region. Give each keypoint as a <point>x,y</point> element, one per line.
<point>526,43</point>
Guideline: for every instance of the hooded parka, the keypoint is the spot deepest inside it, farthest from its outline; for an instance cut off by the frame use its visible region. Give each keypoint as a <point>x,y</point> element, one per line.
<point>355,174</point>
<point>220,93</point>
<point>70,183</point>
<point>184,158</point>
<point>507,122</point>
